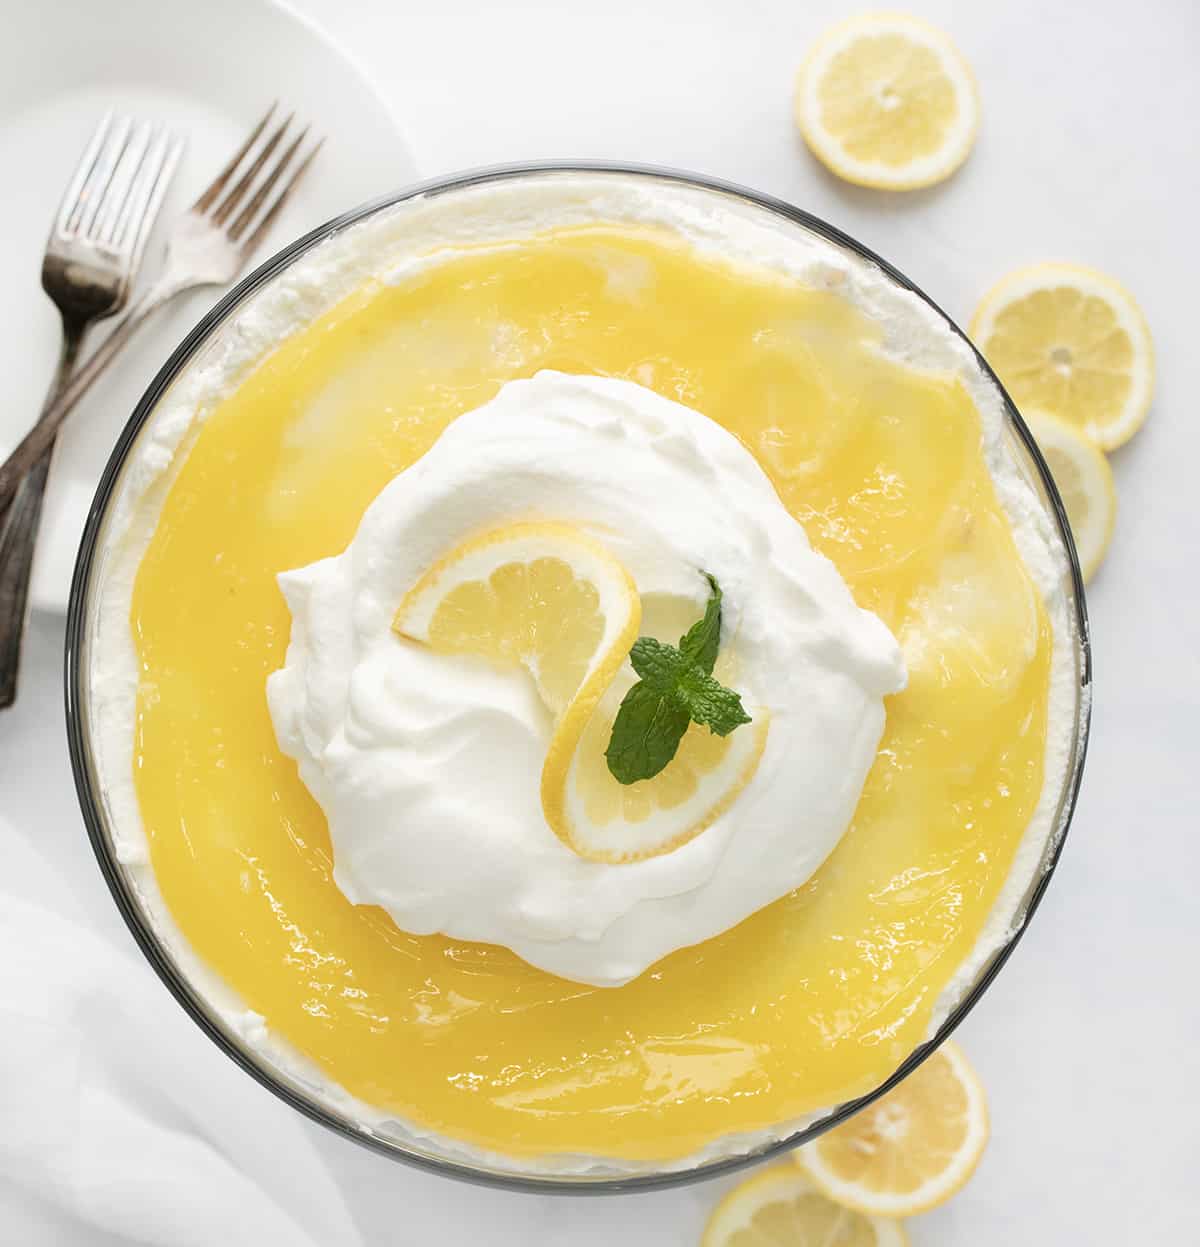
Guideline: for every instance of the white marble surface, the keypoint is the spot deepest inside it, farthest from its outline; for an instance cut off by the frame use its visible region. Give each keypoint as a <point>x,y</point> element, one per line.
<point>1088,1040</point>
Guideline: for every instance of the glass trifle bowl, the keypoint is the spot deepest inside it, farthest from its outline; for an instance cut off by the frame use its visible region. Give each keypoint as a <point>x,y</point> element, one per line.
<point>340,744</point>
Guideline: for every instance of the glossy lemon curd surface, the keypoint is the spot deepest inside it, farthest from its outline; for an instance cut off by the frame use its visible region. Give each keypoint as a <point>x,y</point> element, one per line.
<point>811,1000</point>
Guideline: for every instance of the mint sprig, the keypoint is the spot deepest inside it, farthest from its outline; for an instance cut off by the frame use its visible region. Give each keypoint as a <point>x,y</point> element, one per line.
<point>675,688</point>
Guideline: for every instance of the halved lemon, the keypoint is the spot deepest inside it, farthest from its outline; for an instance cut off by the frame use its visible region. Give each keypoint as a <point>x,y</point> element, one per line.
<point>782,1206</point>
<point>1073,342</point>
<point>552,599</point>
<point>912,1149</point>
<point>1084,480</point>
<point>887,100</point>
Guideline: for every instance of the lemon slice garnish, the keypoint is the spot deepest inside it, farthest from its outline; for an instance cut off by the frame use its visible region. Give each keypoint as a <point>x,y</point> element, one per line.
<point>614,822</point>
<point>543,596</point>
<point>551,599</point>
<point>910,1150</point>
<point>887,100</point>
<point>1084,480</point>
<point>1070,341</point>
<point>783,1206</point>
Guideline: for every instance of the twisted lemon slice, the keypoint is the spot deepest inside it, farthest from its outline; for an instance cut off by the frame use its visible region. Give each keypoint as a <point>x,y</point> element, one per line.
<point>551,599</point>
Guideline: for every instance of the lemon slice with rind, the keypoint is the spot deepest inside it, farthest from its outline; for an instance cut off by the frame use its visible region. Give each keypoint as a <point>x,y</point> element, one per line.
<point>551,599</point>
<point>608,821</point>
<point>783,1206</point>
<point>910,1150</point>
<point>886,100</point>
<point>1071,341</point>
<point>1084,480</point>
<point>543,596</point>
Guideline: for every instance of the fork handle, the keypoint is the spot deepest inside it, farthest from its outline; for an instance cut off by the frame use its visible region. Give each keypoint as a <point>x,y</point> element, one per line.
<point>62,402</point>
<point>18,530</point>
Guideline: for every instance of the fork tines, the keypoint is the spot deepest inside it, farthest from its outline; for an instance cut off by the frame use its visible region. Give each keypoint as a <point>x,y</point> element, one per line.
<point>257,177</point>
<point>119,183</point>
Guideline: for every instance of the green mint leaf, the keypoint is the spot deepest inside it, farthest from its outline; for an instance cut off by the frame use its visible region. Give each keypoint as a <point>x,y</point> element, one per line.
<point>646,733</point>
<point>709,702</point>
<point>658,664</point>
<point>675,688</point>
<point>701,641</point>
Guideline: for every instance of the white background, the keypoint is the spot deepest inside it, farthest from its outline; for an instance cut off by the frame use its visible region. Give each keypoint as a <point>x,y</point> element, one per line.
<point>1088,1041</point>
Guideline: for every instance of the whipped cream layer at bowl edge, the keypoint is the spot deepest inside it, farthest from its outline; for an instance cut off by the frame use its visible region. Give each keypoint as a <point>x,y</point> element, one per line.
<point>427,765</point>
<point>393,243</point>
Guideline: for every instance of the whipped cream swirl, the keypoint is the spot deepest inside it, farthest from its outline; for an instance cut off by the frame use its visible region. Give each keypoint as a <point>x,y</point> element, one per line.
<point>427,766</point>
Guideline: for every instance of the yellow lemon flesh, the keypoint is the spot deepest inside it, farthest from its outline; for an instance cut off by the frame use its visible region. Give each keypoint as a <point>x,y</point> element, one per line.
<point>910,1150</point>
<point>812,1000</point>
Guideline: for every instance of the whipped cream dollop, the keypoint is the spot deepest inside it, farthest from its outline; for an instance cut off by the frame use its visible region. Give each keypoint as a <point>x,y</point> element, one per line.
<point>427,766</point>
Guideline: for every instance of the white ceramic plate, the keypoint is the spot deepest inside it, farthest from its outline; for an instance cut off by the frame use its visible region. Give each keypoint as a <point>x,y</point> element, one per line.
<point>208,68</point>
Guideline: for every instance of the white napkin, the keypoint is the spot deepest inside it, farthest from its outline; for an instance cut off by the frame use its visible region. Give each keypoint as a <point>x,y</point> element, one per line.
<point>119,1120</point>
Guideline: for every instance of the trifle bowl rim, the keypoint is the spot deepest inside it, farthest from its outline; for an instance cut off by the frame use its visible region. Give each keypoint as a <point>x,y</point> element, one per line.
<point>297,1092</point>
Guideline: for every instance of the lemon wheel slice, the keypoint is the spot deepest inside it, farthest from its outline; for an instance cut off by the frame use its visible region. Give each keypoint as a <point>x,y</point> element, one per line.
<point>551,599</point>
<point>543,596</point>
<point>608,821</point>
<point>887,100</point>
<point>912,1149</point>
<point>1084,480</point>
<point>1073,342</point>
<point>783,1206</point>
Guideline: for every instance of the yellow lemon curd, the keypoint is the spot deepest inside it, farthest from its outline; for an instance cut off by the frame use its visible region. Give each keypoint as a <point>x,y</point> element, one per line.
<point>814,999</point>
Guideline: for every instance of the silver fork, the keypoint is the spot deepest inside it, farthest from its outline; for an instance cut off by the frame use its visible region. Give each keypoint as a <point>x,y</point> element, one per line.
<point>209,245</point>
<point>92,256</point>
